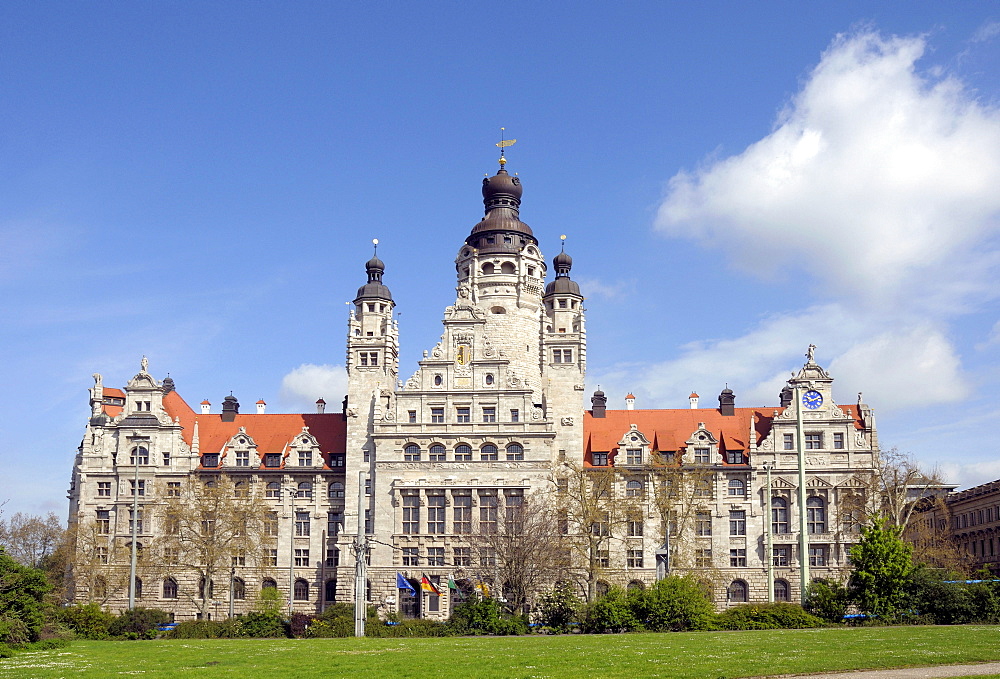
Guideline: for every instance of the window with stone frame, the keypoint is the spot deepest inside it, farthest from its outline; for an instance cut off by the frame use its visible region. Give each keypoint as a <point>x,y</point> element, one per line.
<point>332,557</point>
<point>633,558</point>
<point>815,514</point>
<point>335,490</point>
<point>437,415</point>
<point>738,592</point>
<point>304,489</point>
<point>103,522</point>
<point>634,525</point>
<point>436,453</point>
<point>488,453</point>
<point>104,488</point>
<point>703,488</point>
<point>463,556</point>
<point>633,456</point>
<point>788,441</point>
<point>814,441</point>
<point>489,414</point>
<point>140,485</point>
<point>463,415</point>
<point>602,526</point>
<point>702,455</point>
<point>703,523</point>
<point>781,590</point>
<point>737,522</point>
<point>305,458</point>
<point>463,452</point>
<point>818,555</point>
<point>166,459</point>
<point>779,515</point>
<point>435,511</point>
<point>369,358</point>
<point>302,524</point>
<point>780,555</point>
<point>703,557</point>
<point>334,522</point>
<point>562,355</point>
<point>736,488</point>
<point>462,511</point>
<point>242,458</point>
<point>515,451</point>
<point>604,558</point>
<point>838,441</point>
<point>137,517</point>
<point>169,588</point>
<point>411,416</point>
<point>488,504</point>
<point>411,512</point>
<point>515,415</point>
<point>738,557</point>
<point>411,556</point>
<point>272,490</point>
<point>140,456</point>
<point>171,556</point>
<point>271,524</point>
<point>301,592</point>
<point>411,453</point>
<point>435,556</point>
<point>271,558</point>
<point>634,488</point>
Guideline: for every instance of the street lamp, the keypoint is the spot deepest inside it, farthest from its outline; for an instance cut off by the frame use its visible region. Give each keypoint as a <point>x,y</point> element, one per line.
<point>769,556</point>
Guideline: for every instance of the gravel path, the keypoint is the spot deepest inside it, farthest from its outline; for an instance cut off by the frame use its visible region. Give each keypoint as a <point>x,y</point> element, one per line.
<point>910,672</point>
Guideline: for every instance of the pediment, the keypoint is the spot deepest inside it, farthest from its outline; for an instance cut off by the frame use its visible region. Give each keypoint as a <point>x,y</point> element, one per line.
<point>633,438</point>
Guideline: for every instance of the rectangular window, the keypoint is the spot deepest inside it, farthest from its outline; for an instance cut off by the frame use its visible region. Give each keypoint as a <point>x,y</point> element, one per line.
<point>488,511</point>
<point>737,522</point>
<point>435,556</point>
<point>140,455</point>
<point>166,459</point>
<point>703,488</point>
<point>104,488</point>
<point>817,555</point>
<point>838,441</point>
<point>271,557</point>
<point>369,358</point>
<point>242,458</point>
<point>337,460</point>
<point>301,524</point>
<point>305,458</point>
<point>369,522</point>
<point>103,521</point>
<point>814,441</point>
<point>210,460</point>
<point>703,557</point>
<point>703,523</point>
<point>141,487</point>
<point>599,459</point>
<point>562,355</point>
<point>102,555</point>
<point>411,556</point>
<point>137,517</point>
<point>411,513</point>
<point>601,527</point>
<point>271,524</point>
<point>489,414</point>
<point>437,415</point>
<point>463,556</point>
<point>272,460</point>
<point>463,415</point>
<point>411,416</point>
<point>435,511</point>
<point>635,526</point>
<point>604,558</point>
<point>239,558</point>
<point>702,455</point>
<point>171,556</point>
<point>738,557</point>
<point>368,486</point>
<point>633,456</point>
<point>301,557</point>
<point>779,556</point>
<point>633,558</point>
<point>462,512</point>
<point>734,456</point>
<point>515,415</point>
<point>332,557</point>
<point>488,557</point>
<point>334,521</point>
<point>436,453</point>
<point>788,441</point>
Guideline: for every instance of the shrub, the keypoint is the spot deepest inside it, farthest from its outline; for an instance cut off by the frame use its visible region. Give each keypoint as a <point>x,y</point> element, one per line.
<point>14,631</point>
<point>485,616</point>
<point>613,612</point>
<point>138,623</point>
<point>827,599</point>
<point>408,628</point>
<point>674,604</point>
<point>767,616</point>
<point>22,591</point>
<point>197,629</point>
<point>262,626</point>
<point>298,624</point>
<point>558,608</point>
<point>88,621</point>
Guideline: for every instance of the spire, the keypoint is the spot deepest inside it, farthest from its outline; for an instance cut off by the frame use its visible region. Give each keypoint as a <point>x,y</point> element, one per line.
<point>502,200</point>
<point>562,263</point>
<point>374,288</point>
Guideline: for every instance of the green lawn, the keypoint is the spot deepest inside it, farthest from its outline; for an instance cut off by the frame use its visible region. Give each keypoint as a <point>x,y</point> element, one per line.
<point>693,654</point>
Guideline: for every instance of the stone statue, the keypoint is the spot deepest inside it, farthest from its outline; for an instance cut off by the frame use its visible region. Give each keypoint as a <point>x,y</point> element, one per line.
<point>811,353</point>
<point>144,364</point>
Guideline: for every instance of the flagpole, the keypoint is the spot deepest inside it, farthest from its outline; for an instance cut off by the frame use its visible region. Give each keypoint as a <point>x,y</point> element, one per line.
<point>360,563</point>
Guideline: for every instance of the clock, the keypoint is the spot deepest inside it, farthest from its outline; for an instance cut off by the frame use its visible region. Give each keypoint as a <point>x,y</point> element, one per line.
<point>812,399</point>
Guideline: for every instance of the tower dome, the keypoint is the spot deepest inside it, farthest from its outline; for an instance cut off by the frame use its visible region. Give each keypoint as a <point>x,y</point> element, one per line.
<point>502,200</point>
<point>374,288</point>
<point>563,284</point>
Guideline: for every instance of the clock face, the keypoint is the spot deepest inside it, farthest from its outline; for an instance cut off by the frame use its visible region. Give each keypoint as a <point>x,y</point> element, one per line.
<point>812,399</point>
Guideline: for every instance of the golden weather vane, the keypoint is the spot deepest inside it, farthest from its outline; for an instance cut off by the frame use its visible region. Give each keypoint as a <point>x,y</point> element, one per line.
<point>503,144</point>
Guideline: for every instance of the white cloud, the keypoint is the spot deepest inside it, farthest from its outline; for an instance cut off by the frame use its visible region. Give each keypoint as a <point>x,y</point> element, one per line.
<point>305,384</point>
<point>986,32</point>
<point>878,180</point>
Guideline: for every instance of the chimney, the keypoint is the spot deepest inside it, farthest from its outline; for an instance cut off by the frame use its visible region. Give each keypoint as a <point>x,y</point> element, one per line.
<point>206,407</point>
<point>320,406</point>
<point>629,402</point>
<point>599,404</point>
<point>785,396</point>
<point>168,384</point>
<point>727,402</point>
<point>693,400</point>
<point>261,407</point>
<point>230,408</point>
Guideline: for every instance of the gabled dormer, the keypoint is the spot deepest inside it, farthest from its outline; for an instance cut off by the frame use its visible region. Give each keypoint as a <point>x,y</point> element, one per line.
<point>634,449</point>
<point>702,447</point>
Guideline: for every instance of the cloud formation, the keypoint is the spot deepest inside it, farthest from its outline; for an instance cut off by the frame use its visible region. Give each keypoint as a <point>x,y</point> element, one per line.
<point>301,387</point>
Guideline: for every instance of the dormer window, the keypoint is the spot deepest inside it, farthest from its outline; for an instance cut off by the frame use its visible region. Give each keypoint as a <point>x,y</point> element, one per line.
<point>508,240</point>
<point>633,456</point>
<point>599,459</point>
<point>702,455</point>
<point>272,460</point>
<point>210,460</point>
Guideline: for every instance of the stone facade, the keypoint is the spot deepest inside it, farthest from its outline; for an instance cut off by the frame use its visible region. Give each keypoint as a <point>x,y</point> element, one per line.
<point>493,414</point>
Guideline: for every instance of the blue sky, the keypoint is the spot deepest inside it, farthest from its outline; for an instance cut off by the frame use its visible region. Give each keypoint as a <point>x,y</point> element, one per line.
<point>200,183</point>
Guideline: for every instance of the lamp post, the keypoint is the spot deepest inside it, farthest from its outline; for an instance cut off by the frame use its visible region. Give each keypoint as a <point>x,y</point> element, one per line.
<point>135,529</point>
<point>803,536</point>
<point>232,591</point>
<point>361,561</point>
<point>769,556</point>
<point>291,553</point>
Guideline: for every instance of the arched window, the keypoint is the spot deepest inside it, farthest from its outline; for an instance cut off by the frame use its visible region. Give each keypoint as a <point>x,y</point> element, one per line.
<point>736,487</point>
<point>336,489</point>
<point>138,587</point>
<point>100,588</point>
<point>487,268</point>
<point>140,455</point>
<point>437,453</point>
<point>438,380</point>
<point>488,452</point>
<point>239,589</point>
<point>273,489</point>
<point>738,592</point>
<point>507,268</point>
<point>411,453</point>
<point>489,379</point>
<point>268,582</point>
<point>633,488</point>
<point>305,489</point>
<point>463,452</point>
<point>240,489</point>
<point>330,591</point>
<point>781,592</point>
<point>515,451</point>
<point>636,584</point>
<point>169,588</point>
<point>779,515</point>
<point>301,590</point>
<point>815,515</point>
<point>602,588</point>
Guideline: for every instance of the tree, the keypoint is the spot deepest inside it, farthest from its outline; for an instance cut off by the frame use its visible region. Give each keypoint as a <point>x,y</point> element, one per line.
<point>518,547</point>
<point>679,492</point>
<point>882,569</point>
<point>22,592</point>
<point>892,488</point>
<point>31,539</point>
<point>211,525</point>
<point>100,566</point>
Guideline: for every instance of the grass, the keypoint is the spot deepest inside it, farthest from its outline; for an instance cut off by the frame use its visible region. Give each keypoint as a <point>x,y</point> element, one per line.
<point>693,654</point>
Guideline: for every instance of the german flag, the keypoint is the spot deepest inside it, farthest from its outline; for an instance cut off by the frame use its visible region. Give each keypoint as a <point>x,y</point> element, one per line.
<point>428,586</point>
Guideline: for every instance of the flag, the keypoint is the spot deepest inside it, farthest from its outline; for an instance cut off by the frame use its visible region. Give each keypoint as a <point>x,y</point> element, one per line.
<point>454,586</point>
<point>483,587</point>
<point>403,583</point>
<point>428,586</point>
